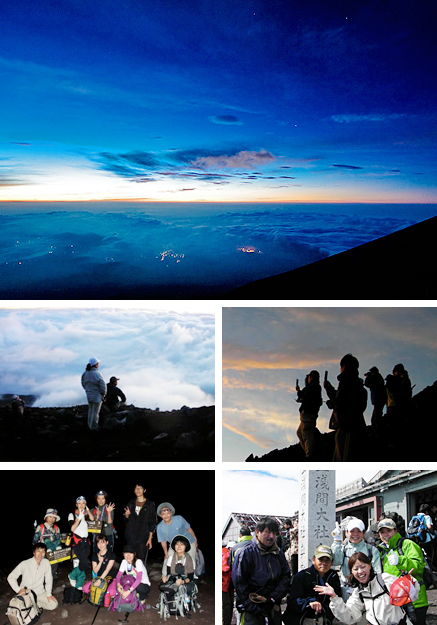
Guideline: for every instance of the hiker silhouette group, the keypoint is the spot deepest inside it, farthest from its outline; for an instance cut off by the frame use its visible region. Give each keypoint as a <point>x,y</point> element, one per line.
<point>349,401</point>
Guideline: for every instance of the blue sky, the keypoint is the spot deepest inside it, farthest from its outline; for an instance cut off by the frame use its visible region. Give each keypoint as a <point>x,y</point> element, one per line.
<point>163,355</point>
<point>266,349</point>
<point>280,489</point>
<point>218,101</point>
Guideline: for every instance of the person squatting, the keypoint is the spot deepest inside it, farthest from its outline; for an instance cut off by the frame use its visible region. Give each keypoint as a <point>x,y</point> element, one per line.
<point>350,580</point>
<point>93,553</point>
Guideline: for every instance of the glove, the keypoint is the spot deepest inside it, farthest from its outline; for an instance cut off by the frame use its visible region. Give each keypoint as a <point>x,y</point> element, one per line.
<point>393,558</point>
<point>414,592</point>
<point>337,533</point>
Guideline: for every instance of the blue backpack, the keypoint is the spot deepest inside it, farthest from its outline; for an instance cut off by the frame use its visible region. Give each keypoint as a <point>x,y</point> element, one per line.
<point>417,529</point>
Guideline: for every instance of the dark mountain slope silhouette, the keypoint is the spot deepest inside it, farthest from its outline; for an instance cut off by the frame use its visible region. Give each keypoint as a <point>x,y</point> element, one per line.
<point>397,266</point>
<point>416,442</point>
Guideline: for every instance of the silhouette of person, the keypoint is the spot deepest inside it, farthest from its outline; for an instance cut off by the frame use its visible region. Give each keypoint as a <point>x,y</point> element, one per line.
<point>17,405</point>
<point>399,393</point>
<point>114,395</point>
<point>349,402</point>
<point>310,398</point>
<point>378,395</point>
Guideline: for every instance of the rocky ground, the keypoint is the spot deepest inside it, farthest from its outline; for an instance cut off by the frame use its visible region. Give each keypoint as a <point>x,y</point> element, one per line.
<point>83,614</point>
<point>131,434</point>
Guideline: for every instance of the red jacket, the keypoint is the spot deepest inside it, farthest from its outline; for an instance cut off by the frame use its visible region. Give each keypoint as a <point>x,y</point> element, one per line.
<point>226,570</point>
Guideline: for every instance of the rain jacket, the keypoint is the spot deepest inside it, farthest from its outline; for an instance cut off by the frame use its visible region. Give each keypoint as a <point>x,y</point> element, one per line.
<point>302,593</point>
<point>412,559</point>
<point>379,610</point>
<point>262,572</point>
<point>349,402</point>
<point>94,385</point>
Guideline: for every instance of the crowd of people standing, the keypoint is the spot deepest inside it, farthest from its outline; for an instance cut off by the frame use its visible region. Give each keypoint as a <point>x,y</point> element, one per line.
<point>350,579</point>
<point>348,403</point>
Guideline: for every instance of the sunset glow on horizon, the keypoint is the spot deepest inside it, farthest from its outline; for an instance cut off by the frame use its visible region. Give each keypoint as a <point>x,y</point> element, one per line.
<point>228,102</point>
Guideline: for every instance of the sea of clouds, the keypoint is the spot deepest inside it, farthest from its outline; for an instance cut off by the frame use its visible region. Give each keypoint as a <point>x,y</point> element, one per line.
<point>206,249</point>
<point>164,359</point>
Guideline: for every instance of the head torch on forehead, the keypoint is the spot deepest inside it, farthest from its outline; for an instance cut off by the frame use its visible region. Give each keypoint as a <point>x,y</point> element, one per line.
<point>81,498</point>
<point>101,492</point>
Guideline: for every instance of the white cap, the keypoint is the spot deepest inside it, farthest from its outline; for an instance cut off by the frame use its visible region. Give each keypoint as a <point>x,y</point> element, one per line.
<point>93,361</point>
<point>355,523</point>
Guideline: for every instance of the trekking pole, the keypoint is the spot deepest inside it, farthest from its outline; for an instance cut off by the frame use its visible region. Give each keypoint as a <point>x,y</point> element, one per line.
<point>95,615</point>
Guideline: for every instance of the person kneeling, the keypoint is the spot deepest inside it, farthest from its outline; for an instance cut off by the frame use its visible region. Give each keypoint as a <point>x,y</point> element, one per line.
<point>131,566</point>
<point>36,575</point>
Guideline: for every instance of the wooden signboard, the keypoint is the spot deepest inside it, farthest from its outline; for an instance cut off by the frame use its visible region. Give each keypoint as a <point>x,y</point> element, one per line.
<point>95,527</point>
<point>59,556</point>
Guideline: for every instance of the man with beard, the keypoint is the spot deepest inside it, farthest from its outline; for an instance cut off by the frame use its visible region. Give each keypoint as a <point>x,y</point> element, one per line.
<point>304,605</point>
<point>261,576</point>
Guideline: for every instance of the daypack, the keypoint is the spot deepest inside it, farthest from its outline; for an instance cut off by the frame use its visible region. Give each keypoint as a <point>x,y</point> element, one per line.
<point>72,595</point>
<point>417,529</point>
<point>97,593</point>
<point>23,610</point>
<point>131,603</point>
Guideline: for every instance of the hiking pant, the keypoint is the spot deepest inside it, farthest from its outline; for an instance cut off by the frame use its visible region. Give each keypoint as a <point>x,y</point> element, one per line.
<point>93,414</point>
<point>81,551</point>
<point>305,433</point>
<point>43,602</point>
<point>348,445</point>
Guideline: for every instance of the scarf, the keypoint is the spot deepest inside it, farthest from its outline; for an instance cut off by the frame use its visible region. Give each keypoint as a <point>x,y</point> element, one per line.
<point>186,561</point>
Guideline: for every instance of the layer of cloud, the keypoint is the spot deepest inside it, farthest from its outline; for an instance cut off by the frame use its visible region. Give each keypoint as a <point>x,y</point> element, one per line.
<point>369,117</point>
<point>162,359</point>
<point>229,120</point>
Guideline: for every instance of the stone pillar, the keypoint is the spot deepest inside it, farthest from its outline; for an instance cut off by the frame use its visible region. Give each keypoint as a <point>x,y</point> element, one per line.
<point>316,513</point>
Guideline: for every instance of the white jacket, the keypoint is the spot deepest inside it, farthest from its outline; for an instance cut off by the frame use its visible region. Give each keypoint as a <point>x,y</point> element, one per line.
<point>379,611</point>
<point>34,576</point>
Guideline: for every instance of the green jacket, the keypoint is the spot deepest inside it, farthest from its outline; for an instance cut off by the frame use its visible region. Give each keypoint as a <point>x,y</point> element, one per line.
<point>412,559</point>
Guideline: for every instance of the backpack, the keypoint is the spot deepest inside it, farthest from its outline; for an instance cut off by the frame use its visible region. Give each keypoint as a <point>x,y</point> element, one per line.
<point>417,529</point>
<point>199,567</point>
<point>72,595</point>
<point>23,610</point>
<point>173,600</point>
<point>97,593</point>
<point>131,603</point>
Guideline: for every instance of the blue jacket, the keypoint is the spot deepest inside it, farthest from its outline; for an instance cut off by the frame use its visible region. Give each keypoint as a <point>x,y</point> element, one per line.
<point>266,574</point>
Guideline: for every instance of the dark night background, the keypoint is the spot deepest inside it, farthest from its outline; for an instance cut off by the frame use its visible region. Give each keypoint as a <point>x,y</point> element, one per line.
<point>28,494</point>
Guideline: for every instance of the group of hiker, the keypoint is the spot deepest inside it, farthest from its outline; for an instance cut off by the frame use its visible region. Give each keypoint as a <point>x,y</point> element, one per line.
<point>349,401</point>
<point>351,579</point>
<point>127,582</point>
